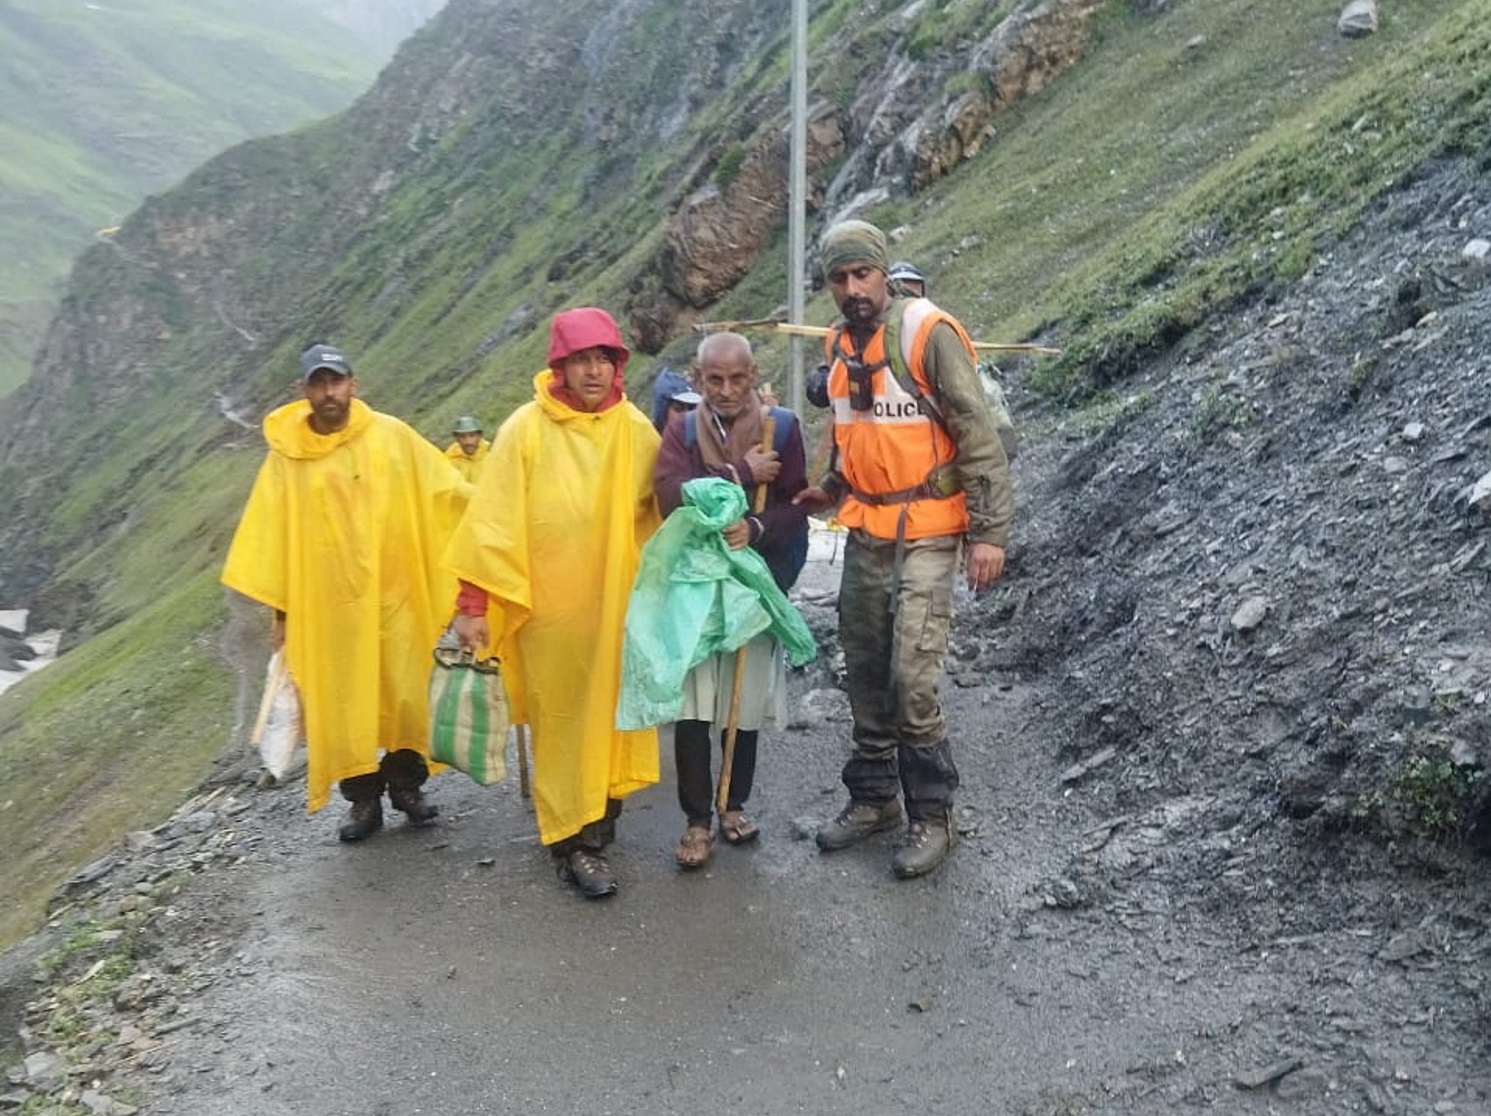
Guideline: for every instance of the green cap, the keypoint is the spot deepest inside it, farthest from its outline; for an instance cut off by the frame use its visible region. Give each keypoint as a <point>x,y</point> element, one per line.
<point>466,424</point>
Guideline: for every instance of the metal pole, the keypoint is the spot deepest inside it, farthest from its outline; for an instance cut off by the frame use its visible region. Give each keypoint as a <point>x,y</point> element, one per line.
<point>797,215</point>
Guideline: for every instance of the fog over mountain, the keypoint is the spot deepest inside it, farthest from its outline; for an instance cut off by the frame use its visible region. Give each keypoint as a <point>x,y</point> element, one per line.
<point>101,105</point>
<point>382,24</point>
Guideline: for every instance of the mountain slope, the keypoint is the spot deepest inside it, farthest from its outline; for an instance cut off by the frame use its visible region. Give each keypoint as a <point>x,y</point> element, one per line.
<point>101,105</point>
<point>515,159</point>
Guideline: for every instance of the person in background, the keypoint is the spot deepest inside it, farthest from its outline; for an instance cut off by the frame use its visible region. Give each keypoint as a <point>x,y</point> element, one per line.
<point>469,449</point>
<point>546,556</point>
<point>907,280</point>
<point>342,537</point>
<point>726,437</point>
<point>921,480</point>
<point>671,395</point>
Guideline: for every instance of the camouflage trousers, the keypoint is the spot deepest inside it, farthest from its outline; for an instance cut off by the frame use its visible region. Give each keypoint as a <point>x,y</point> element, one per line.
<point>893,626</point>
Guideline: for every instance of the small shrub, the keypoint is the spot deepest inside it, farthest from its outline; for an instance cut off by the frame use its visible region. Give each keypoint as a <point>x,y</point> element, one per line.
<point>1220,410</point>
<point>729,165</point>
<point>1361,374</point>
<point>1435,793</point>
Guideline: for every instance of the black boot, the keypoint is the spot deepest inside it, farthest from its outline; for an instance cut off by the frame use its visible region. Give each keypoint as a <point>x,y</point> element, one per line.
<point>405,771</point>
<point>363,820</point>
<point>928,841</point>
<point>928,778</point>
<point>582,858</point>
<point>366,816</point>
<point>587,869</point>
<point>411,802</point>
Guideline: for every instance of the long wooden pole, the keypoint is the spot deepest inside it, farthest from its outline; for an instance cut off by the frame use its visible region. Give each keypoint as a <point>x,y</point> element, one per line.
<point>794,329</point>
<point>732,725</point>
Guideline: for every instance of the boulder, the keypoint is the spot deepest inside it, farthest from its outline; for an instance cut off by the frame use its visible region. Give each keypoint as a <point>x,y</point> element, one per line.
<point>1358,19</point>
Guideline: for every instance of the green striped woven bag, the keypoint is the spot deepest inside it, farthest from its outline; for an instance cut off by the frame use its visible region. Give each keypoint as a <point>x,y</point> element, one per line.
<point>468,715</point>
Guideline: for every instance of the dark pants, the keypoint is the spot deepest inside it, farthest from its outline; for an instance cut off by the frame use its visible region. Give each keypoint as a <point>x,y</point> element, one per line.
<point>402,770</point>
<point>593,836</point>
<point>693,761</point>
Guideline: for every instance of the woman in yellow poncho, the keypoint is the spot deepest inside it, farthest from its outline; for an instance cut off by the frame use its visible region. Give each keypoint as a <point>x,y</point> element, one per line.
<point>342,537</point>
<point>549,547</point>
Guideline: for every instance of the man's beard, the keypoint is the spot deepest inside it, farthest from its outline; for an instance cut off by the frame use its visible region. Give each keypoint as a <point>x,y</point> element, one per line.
<point>332,416</point>
<point>859,312</point>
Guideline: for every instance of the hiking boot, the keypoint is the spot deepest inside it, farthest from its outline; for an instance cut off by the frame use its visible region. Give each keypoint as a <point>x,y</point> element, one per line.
<point>363,820</point>
<point>588,870</point>
<point>927,845</point>
<point>411,802</point>
<point>857,821</point>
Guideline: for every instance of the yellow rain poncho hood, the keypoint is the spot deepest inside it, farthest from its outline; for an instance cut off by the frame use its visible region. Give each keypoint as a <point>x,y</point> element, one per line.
<point>553,534</point>
<point>343,533</point>
<point>468,465</point>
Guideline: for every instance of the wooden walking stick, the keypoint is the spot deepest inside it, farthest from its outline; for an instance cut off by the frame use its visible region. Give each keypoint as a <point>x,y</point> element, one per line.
<point>732,726</point>
<point>523,761</point>
<point>272,687</point>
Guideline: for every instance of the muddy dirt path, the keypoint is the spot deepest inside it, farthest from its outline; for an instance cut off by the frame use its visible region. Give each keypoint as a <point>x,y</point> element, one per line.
<point>446,970</point>
<point>1091,947</point>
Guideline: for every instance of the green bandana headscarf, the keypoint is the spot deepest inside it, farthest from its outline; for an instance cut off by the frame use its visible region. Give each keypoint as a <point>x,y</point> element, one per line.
<point>854,242</point>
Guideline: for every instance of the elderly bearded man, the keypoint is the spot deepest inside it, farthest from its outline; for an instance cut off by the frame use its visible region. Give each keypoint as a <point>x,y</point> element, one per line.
<point>724,438</point>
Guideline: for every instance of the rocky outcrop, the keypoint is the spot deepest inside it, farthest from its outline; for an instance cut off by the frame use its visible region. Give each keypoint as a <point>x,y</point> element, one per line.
<point>1358,19</point>
<point>720,231</point>
<point>1032,48</point>
<point>907,127</point>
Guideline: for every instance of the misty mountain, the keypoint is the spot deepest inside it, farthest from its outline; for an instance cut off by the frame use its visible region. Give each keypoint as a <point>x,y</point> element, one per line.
<point>102,104</point>
<point>383,24</point>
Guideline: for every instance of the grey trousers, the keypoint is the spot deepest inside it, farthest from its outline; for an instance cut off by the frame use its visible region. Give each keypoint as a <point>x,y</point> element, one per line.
<point>893,626</point>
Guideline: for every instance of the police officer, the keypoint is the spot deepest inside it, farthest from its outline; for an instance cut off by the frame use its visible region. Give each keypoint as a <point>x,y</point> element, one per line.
<point>922,482</point>
<point>906,279</point>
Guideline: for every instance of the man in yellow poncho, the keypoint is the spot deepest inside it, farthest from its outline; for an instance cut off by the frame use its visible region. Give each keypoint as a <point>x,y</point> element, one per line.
<point>549,548</point>
<point>469,449</point>
<point>342,537</point>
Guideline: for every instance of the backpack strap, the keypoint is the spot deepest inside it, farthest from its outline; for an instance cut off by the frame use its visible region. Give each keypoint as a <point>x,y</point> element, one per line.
<point>836,352</point>
<point>782,420</point>
<point>901,328</point>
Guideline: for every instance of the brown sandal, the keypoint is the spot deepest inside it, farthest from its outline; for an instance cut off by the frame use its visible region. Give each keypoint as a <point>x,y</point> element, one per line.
<point>694,846</point>
<point>738,829</point>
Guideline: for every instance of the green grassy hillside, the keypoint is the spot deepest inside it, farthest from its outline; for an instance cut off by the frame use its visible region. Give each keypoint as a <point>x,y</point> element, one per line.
<point>101,105</point>
<point>1198,154</point>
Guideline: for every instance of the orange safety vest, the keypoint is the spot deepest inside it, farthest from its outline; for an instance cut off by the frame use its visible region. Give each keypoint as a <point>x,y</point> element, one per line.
<point>896,458</point>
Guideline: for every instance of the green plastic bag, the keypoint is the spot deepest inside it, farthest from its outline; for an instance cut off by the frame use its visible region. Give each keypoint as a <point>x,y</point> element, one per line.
<point>693,596</point>
<point>468,715</point>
